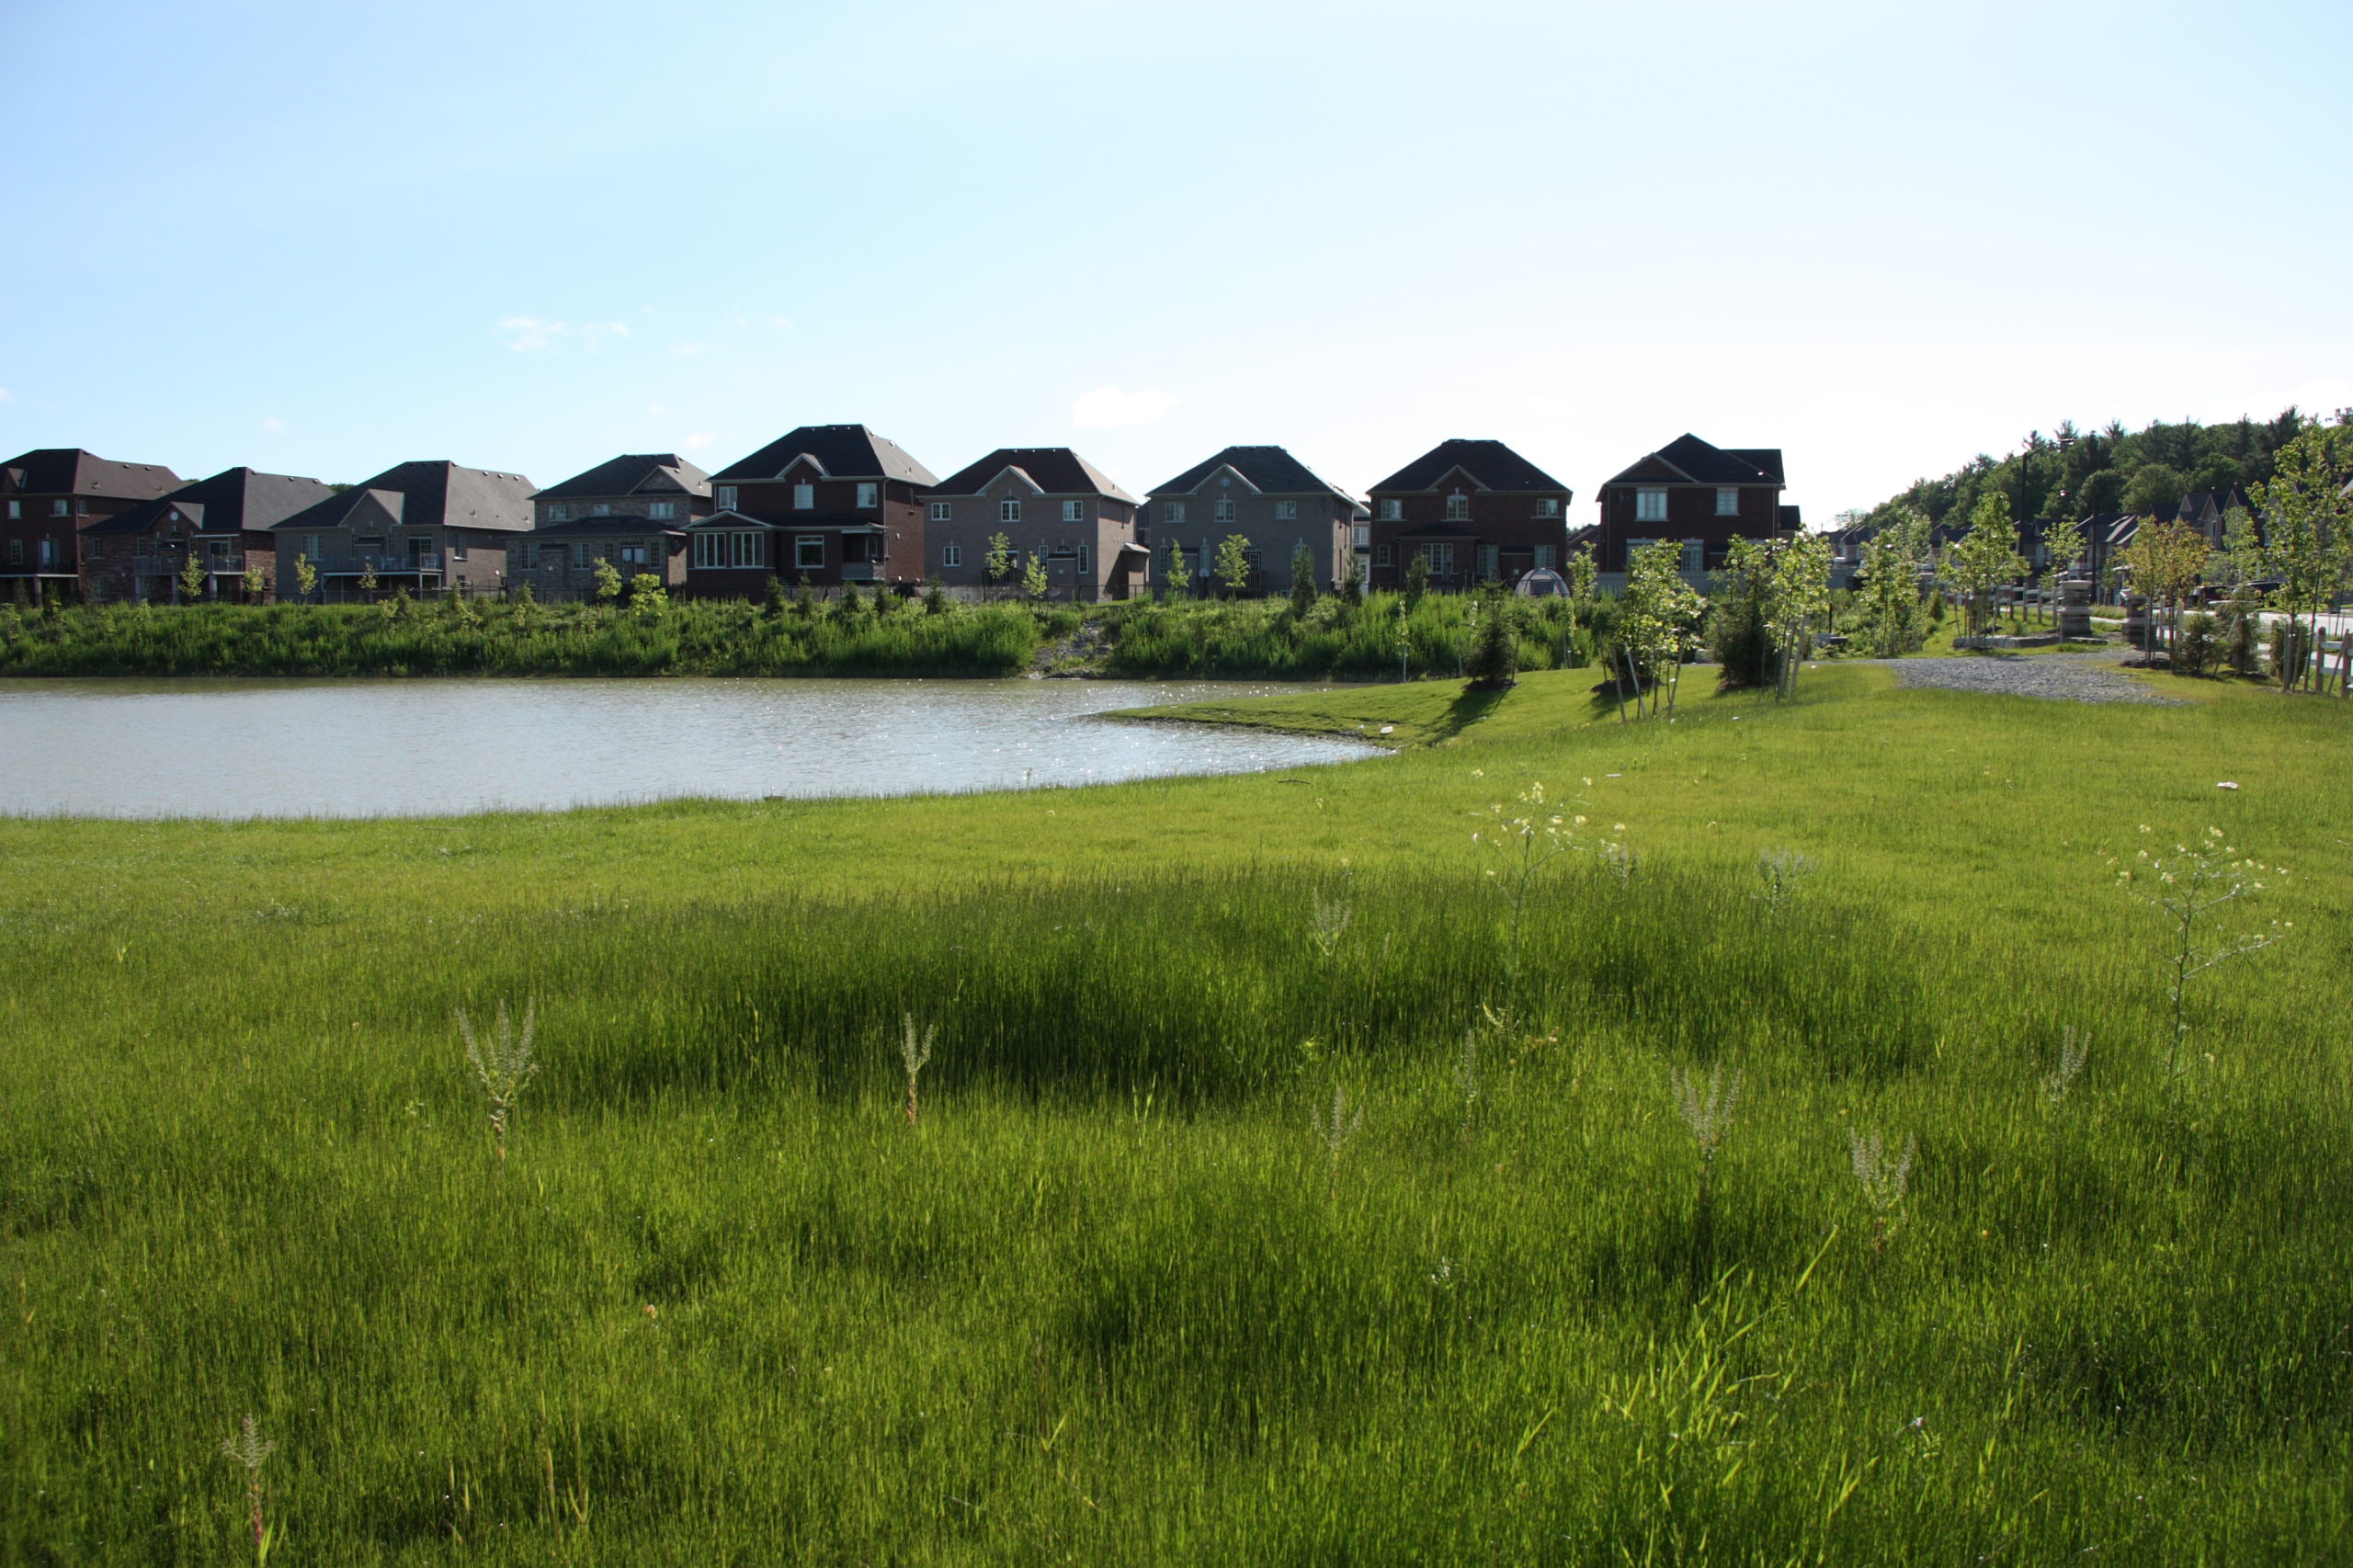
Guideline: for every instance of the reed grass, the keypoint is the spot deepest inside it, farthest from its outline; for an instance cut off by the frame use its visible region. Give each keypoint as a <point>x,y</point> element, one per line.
<point>1110,1301</point>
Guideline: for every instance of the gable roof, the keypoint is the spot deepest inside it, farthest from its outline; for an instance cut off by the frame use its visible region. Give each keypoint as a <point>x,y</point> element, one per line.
<point>630,475</point>
<point>1271,469</point>
<point>844,451</point>
<point>70,471</point>
<point>1704,464</point>
<point>1057,471</point>
<point>231,501</point>
<point>1490,464</point>
<point>443,492</point>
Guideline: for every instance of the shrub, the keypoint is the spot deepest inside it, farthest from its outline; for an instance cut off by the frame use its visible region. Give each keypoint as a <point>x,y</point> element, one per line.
<point>1494,658</point>
<point>2199,645</point>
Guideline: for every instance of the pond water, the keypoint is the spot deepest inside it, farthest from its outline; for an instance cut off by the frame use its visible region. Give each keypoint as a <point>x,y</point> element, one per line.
<point>244,748</point>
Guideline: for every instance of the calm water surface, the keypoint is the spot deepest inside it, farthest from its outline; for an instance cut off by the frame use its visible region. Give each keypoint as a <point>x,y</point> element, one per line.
<point>418,747</point>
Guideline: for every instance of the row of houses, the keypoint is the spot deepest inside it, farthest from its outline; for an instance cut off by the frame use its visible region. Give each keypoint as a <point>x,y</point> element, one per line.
<point>833,504</point>
<point>2105,534</point>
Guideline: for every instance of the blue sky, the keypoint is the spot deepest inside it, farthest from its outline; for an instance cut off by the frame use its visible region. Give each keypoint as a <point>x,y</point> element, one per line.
<point>322,239</point>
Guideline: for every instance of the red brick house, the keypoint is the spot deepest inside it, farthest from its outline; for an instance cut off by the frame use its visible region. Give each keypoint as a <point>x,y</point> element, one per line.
<point>1706,496</point>
<point>223,521</point>
<point>833,504</point>
<point>47,497</point>
<point>1051,505</point>
<point>1474,512</point>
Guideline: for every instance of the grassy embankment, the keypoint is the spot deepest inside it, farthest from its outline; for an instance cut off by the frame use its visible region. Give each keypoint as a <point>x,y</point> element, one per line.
<point>1243,640</point>
<point>1112,1301</point>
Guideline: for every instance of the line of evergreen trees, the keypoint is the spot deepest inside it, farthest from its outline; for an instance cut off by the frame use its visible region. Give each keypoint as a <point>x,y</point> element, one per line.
<point>2077,473</point>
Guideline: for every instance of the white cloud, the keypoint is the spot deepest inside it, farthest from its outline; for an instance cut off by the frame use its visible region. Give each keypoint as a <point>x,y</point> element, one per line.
<point>781,321</point>
<point>272,427</point>
<point>6,396</point>
<point>595,330</point>
<point>1108,407</point>
<point>692,347</point>
<point>656,408</point>
<point>531,333</point>
<point>699,440</point>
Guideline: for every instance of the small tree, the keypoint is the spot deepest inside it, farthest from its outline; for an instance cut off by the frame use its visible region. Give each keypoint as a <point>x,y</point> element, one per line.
<point>1176,580</point>
<point>253,584</point>
<point>1986,559</point>
<point>1302,578</point>
<point>648,597</point>
<point>1352,580</point>
<point>1893,558</point>
<point>1585,578</point>
<point>2167,562</point>
<point>2308,530</point>
<point>1656,618</point>
<point>192,577</point>
<point>1233,564</point>
<point>998,565</point>
<point>1034,581</point>
<point>2063,545</point>
<point>306,577</point>
<point>773,599</point>
<point>1797,600</point>
<point>609,580</point>
<point>1417,579</point>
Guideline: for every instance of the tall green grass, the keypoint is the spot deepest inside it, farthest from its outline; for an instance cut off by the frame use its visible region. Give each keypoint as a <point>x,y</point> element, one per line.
<point>1108,1304</point>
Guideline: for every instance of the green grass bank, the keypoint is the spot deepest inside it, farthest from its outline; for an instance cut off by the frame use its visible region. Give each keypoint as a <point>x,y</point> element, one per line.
<point>1111,1299</point>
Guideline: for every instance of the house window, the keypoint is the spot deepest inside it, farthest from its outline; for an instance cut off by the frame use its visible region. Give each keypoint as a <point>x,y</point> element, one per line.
<point>1490,564</point>
<point>601,509</point>
<point>1224,512</point>
<point>1382,557</point>
<point>526,554</point>
<point>635,555</point>
<point>315,545</point>
<point>726,497</point>
<point>1458,508</point>
<point>1727,502</point>
<point>457,548</point>
<point>1650,506</point>
<point>708,551</point>
<point>1172,513</point>
<point>751,549</point>
<point>1074,511</point>
<point>869,495</point>
<point>582,552</point>
<point>16,510</point>
<point>1363,535</point>
<point>804,497</point>
<point>1009,509</point>
<point>1439,557</point>
<point>1695,556</point>
<point>1547,557</point>
<point>1549,507</point>
<point>941,511</point>
<point>808,551</point>
<point>951,555</point>
<point>1393,511</point>
<point>1286,511</point>
<point>49,555</point>
<point>1081,561</point>
<point>57,509</point>
<point>661,511</point>
<point>559,513</point>
<point>16,552</point>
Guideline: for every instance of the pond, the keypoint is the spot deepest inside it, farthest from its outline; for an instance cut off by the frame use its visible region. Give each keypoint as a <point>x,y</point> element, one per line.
<point>334,748</point>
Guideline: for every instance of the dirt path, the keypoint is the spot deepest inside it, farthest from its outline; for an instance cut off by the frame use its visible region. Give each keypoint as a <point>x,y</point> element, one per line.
<point>2058,678</point>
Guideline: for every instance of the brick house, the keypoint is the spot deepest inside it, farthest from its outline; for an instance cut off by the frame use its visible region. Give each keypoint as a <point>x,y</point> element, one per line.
<point>831,502</point>
<point>1269,498</point>
<point>1475,511</point>
<point>632,511</point>
<point>47,497</point>
<point>1706,496</point>
<point>425,527</point>
<point>225,521</point>
<point>1051,505</point>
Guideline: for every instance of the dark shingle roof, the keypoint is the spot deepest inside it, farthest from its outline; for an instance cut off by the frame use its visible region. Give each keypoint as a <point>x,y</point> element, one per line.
<point>638,473</point>
<point>1714,465</point>
<point>70,471</point>
<point>1273,470</point>
<point>1057,471</point>
<point>230,502</point>
<point>442,493</point>
<point>1490,464</point>
<point>845,451</point>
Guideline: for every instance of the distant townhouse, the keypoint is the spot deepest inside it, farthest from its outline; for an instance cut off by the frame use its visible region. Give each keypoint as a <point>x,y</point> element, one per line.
<point>633,512</point>
<point>224,523</point>
<point>47,497</point>
<point>1700,495</point>
<point>425,527</point>
<point>1473,511</point>
<point>828,503</point>
<point>1052,507</point>
<point>1266,496</point>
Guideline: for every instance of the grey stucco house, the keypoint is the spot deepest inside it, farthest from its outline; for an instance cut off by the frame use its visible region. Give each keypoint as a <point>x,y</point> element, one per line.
<point>1269,497</point>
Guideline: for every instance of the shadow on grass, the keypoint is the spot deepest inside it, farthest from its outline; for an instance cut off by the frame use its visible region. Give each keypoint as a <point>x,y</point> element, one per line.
<point>1465,711</point>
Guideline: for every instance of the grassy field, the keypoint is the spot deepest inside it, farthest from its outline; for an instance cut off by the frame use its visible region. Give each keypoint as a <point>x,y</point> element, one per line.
<point>1114,1299</point>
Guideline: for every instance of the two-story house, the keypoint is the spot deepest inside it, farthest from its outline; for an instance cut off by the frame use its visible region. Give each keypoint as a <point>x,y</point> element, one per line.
<point>1704,496</point>
<point>1475,511</point>
<point>224,522</point>
<point>1052,507</point>
<point>632,511</point>
<point>1266,496</point>
<point>831,503</point>
<point>425,527</point>
<point>47,497</point>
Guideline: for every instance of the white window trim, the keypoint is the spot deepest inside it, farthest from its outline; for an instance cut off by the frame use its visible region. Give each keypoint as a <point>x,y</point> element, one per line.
<point>869,495</point>
<point>951,555</point>
<point>1074,511</point>
<point>800,543</point>
<point>1650,503</point>
<point>942,511</point>
<point>1009,509</point>
<point>726,497</point>
<point>1727,494</point>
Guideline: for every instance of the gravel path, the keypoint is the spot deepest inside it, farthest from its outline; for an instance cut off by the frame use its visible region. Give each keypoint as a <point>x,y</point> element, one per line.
<point>2060,678</point>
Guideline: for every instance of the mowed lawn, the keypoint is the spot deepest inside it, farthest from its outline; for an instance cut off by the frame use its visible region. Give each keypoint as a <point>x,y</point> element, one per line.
<point>1236,1225</point>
